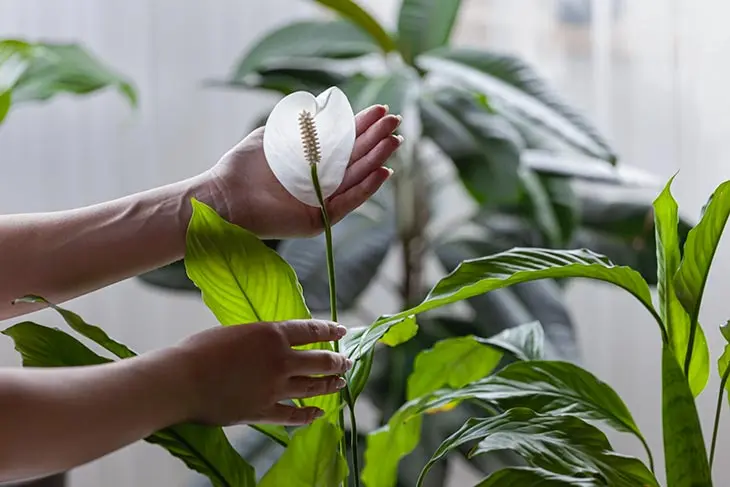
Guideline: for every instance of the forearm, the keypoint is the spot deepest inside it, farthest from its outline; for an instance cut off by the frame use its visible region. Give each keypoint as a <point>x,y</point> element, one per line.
<point>65,254</point>
<point>52,420</point>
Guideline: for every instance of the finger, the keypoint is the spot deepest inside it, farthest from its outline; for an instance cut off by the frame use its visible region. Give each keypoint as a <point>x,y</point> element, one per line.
<point>362,168</point>
<point>344,203</point>
<point>304,332</point>
<point>373,135</point>
<point>291,415</point>
<point>369,116</point>
<point>318,362</point>
<point>300,387</point>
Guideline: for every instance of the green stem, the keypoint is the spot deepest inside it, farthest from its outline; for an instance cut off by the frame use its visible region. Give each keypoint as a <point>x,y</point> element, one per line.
<point>345,394</point>
<point>718,410</point>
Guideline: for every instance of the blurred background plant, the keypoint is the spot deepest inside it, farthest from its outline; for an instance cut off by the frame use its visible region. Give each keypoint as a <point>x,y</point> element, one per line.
<point>493,159</point>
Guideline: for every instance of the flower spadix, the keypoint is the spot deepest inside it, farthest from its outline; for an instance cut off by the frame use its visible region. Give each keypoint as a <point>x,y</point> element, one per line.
<point>304,130</point>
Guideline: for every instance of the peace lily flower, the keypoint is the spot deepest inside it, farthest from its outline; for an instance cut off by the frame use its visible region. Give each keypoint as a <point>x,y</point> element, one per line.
<point>308,141</point>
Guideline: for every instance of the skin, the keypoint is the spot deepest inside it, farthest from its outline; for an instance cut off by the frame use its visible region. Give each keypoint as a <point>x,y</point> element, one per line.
<point>55,419</point>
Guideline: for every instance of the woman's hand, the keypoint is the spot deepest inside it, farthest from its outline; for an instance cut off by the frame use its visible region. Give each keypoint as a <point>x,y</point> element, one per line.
<point>249,194</point>
<point>240,374</point>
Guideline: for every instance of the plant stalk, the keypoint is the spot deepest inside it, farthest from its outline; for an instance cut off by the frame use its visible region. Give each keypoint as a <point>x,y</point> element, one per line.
<point>718,410</point>
<point>345,395</point>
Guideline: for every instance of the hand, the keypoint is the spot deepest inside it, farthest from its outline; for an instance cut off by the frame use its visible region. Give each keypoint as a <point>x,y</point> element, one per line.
<point>239,374</point>
<point>252,197</point>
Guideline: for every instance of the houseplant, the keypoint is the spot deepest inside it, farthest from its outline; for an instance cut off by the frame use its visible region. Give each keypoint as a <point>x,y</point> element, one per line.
<point>496,160</point>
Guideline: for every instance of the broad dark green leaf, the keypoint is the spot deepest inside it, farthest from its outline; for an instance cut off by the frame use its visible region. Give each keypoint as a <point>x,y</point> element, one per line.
<point>424,25</point>
<point>539,207</point>
<point>386,446</point>
<point>310,39</point>
<point>484,147</point>
<point>311,460</point>
<point>78,324</point>
<point>360,341</point>
<point>723,363</point>
<point>525,342</point>
<point>517,92</point>
<point>350,10</point>
<point>203,449</point>
<point>397,89</point>
<point>67,68</point>
<point>314,75</point>
<point>240,278</point>
<point>684,447</point>
<point>277,433</point>
<point>676,320</point>
<point>536,477</point>
<point>453,362</point>
<point>699,250</point>
<point>564,445</point>
<point>547,387</point>
<point>519,265</point>
<point>360,243</point>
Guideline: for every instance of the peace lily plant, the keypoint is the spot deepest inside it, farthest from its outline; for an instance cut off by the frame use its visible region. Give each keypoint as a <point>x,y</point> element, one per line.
<point>545,411</point>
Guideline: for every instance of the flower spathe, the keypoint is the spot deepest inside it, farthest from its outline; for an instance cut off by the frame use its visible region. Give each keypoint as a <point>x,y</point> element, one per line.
<point>303,130</point>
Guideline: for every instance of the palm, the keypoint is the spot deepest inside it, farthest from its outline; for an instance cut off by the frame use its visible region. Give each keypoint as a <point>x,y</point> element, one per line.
<point>257,201</point>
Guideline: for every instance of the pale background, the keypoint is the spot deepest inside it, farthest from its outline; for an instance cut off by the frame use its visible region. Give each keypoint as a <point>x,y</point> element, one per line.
<point>655,82</point>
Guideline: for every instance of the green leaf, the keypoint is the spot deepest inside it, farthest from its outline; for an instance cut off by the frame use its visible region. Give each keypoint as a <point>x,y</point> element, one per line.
<point>484,148</point>
<point>453,362</point>
<point>397,89</point>
<point>360,243</point>
<point>561,444</point>
<point>684,447</point>
<point>722,366</point>
<point>547,387</point>
<point>424,25</point>
<point>358,16</point>
<point>516,91</point>
<point>400,333</point>
<point>525,342</point>
<point>540,208</point>
<point>5,100</point>
<point>536,477</point>
<point>478,276</point>
<point>240,278</point>
<point>203,449</point>
<point>312,39</point>
<point>361,341</point>
<point>357,377</point>
<point>699,250</point>
<point>277,433</point>
<point>302,74</point>
<point>311,460</point>
<point>676,320</point>
<point>78,324</point>
<point>67,68</point>
<point>386,446</point>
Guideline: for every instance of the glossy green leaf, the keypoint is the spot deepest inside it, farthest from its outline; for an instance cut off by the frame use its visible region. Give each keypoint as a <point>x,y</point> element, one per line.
<point>308,39</point>
<point>519,265</point>
<point>5,100</point>
<point>525,342</point>
<point>517,92</point>
<point>386,446</point>
<point>311,460</point>
<point>547,387</point>
<point>400,333</point>
<point>240,278</point>
<point>564,445</point>
<point>699,250</point>
<point>536,477</point>
<point>67,68</point>
<point>424,25</point>
<point>357,377</point>
<point>359,342</point>
<point>484,147</point>
<point>15,57</point>
<point>78,324</point>
<point>684,447</point>
<point>723,363</point>
<point>277,433</point>
<point>397,89</point>
<point>314,75</point>
<point>203,449</point>
<point>676,320</point>
<point>453,362</point>
<point>360,243</point>
<point>540,208</point>
<point>350,10</point>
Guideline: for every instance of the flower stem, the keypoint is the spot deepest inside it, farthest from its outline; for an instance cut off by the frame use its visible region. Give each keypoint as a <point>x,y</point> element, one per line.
<point>345,394</point>
<point>718,410</point>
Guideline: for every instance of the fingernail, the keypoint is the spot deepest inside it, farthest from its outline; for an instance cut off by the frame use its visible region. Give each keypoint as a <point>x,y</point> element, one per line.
<point>340,383</point>
<point>400,119</point>
<point>348,364</point>
<point>400,139</point>
<point>387,108</point>
<point>390,171</point>
<point>340,331</point>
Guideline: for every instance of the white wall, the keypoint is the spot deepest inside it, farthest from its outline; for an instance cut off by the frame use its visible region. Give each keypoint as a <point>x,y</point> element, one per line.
<point>664,112</point>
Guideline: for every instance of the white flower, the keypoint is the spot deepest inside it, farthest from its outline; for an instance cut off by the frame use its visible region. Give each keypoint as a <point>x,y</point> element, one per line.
<point>303,130</point>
